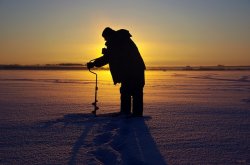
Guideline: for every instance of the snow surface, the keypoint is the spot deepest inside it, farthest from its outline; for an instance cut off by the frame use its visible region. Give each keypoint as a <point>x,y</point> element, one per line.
<point>191,117</point>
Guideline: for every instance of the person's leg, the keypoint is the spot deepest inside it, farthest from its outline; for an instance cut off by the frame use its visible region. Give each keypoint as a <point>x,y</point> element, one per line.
<point>125,100</point>
<point>138,102</point>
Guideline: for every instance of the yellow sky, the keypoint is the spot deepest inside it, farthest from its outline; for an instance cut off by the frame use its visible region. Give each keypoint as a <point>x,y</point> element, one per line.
<point>167,33</point>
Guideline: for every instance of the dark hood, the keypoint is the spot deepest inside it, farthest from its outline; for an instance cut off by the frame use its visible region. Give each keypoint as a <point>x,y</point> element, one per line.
<point>123,33</point>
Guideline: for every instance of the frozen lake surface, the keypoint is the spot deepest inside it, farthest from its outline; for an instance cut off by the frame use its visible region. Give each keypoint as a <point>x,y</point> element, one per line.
<point>191,117</point>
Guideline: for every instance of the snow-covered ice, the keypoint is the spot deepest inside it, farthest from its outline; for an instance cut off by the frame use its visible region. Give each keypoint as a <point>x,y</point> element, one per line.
<point>191,117</point>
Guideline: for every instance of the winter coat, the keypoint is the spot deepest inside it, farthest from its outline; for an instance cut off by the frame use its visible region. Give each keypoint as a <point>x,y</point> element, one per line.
<point>124,59</point>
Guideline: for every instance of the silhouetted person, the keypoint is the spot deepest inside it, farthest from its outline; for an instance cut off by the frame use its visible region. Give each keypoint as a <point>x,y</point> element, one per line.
<point>126,66</point>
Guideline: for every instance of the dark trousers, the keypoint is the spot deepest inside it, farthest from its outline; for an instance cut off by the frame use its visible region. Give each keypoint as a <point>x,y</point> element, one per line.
<point>131,94</point>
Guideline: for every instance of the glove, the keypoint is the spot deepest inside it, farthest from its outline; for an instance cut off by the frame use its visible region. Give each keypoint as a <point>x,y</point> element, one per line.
<point>90,65</point>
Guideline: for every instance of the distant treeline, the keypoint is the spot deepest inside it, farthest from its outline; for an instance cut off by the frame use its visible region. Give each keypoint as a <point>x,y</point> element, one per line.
<point>69,66</point>
<point>44,67</point>
<point>202,68</point>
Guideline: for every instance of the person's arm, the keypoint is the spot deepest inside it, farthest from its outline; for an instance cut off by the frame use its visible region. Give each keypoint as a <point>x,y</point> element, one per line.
<point>98,62</point>
<point>101,61</point>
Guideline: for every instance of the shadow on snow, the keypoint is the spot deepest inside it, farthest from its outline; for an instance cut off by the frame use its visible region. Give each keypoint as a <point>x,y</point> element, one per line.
<point>111,140</point>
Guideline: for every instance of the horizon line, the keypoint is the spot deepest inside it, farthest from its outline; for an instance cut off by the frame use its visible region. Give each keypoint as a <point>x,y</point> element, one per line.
<point>77,66</point>
<point>84,65</point>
